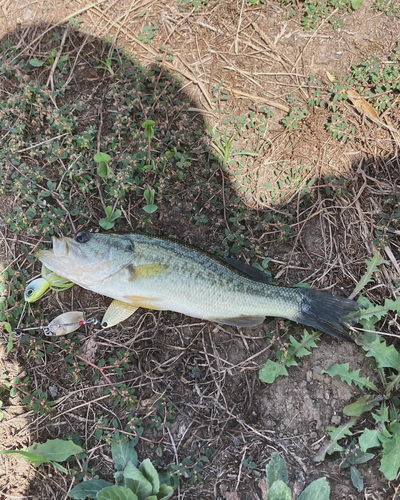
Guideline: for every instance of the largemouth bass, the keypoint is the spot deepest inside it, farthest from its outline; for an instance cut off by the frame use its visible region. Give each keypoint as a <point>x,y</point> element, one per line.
<point>155,273</point>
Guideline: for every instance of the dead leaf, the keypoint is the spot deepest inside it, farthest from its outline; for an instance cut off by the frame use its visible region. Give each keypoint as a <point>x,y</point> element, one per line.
<point>89,350</point>
<point>363,106</point>
<point>330,77</point>
<point>263,485</point>
<point>228,495</point>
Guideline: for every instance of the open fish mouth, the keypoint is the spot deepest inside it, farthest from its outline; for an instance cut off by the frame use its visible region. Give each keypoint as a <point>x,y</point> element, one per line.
<point>59,259</point>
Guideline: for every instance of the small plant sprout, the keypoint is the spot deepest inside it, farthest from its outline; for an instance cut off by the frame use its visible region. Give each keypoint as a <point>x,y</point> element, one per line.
<point>150,207</point>
<point>107,63</point>
<point>103,168</point>
<point>108,222</point>
<point>148,127</point>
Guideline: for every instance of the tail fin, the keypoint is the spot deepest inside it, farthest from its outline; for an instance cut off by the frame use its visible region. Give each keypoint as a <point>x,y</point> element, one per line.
<point>326,312</point>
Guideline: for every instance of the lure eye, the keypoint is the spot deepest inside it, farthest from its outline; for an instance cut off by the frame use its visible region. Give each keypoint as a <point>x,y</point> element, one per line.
<point>29,292</point>
<point>82,237</point>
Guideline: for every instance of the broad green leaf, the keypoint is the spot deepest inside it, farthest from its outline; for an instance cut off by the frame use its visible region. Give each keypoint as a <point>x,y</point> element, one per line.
<point>386,356</point>
<point>123,451</point>
<point>148,123</point>
<point>356,479</point>
<point>165,492</point>
<point>116,214</point>
<point>36,63</point>
<point>6,325</point>
<point>271,371</point>
<point>89,489</point>
<point>390,462</point>
<point>109,211</point>
<point>369,439</point>
<point>116,493</point>
<point>150,473</point>
<point>276,469</point>
<point>336,433</point>
<point>34,458</point>
<point>55,450</point>
<point>343,370</point>
<point>374,262</point>
<point>363,404</point>
<point>148,126</point>
<point>279,491</point>
<point>150,208</point>
<point>137,482</point>
<point>106,224</point>
<point>103,169</point>
<point>102,157</point>
<point>356,4</point>
<point>317,490</point>
<point>356,456</point>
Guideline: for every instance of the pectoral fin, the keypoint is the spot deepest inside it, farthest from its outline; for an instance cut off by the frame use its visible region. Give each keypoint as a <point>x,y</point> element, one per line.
<point>240,320</point>
<point>116,312</point>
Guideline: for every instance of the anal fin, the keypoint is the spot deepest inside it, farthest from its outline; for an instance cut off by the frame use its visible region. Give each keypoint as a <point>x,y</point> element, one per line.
<point>240,320</point>
<point>116,312</point>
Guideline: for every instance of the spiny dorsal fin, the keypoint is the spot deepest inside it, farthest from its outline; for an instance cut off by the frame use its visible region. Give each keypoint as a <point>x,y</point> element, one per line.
<point>249,270</point>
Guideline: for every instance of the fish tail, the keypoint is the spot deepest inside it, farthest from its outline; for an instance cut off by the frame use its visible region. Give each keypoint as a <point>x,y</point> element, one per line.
<point>327,312</point>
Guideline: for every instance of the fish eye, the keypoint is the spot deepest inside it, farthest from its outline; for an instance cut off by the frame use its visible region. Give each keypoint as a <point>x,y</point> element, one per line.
<point>82,237</point>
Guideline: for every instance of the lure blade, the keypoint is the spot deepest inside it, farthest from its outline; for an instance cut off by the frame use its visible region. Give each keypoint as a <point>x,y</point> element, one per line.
<point>66,323</point>
<point>116,312</point>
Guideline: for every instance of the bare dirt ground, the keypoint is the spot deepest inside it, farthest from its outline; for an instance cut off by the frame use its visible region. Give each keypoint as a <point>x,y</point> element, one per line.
<point>210,373</point>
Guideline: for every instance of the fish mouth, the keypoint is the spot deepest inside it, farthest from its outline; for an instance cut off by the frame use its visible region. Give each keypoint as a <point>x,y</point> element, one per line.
<point>64,249</point>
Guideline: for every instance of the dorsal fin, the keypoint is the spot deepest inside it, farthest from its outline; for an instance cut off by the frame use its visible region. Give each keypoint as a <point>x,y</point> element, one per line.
<point>249,270</point>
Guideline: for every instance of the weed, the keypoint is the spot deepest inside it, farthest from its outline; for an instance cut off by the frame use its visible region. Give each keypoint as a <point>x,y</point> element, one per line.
<point>297,113</point>
<point>103,160</point>
<point>149,195</point>
<point>389,7</point>
<point>148,33</point>
<point>376,83</point>
<point>148,127</point>
<point>188,5</point>
<point>52,451</point>
<point>132,481</point>
<point>191,468</point>
<point>107,63</point>
<point>277,480</point>
<point>111,216</point>
<point>385,436</point>
<point>286,353</point>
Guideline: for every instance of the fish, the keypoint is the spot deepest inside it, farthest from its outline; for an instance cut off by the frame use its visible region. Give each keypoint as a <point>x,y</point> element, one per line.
<point>139,270</point>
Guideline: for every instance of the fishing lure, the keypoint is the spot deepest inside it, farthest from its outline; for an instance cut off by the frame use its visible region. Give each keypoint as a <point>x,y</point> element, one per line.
<point>49,280</point>
<point>61,325</point>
